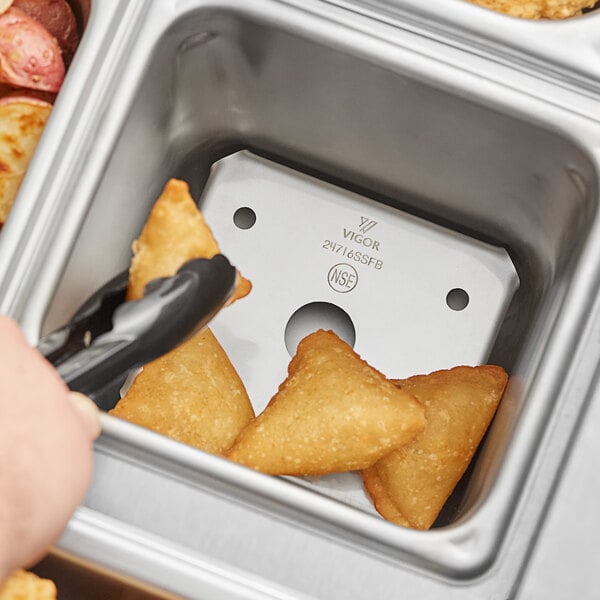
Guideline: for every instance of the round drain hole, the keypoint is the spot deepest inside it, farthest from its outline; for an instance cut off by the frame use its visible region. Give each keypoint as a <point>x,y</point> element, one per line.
<point>244,217</point>
<point>318,315</point>
<point>457,299</point>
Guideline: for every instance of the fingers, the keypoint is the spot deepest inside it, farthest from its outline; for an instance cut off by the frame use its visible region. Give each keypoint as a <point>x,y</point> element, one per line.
<point>87,411</point>
<point>46,451</point>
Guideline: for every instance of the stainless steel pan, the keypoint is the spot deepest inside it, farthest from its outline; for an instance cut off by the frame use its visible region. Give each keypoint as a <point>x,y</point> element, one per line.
<point>400,117</point>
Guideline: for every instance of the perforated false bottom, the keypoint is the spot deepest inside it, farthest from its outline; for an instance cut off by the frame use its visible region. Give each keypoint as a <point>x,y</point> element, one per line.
<point>410,296</point>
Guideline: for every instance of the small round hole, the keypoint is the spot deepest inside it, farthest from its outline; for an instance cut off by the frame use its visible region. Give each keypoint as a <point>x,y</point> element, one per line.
<point>318,315</point>
<point>244,217</point>
<point>457,299</point>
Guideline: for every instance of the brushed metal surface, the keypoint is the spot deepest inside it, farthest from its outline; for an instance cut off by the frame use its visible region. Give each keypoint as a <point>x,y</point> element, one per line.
<point>404,118</point>
<point>567,50</point>
<point>307,235</point>
<point>400,270</point>
<point>564,562</point>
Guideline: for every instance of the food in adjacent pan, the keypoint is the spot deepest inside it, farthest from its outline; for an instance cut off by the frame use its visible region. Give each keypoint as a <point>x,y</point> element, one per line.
<point>21,123</point>
<point>37,41</point>
<point>333,413</point>
<point>30,56</point>
<point>192,394</point>
<point>410,486</point>
<point>411,439</point>
<point>24,585</point>
<point>538,9</point>
<point>58,18</point>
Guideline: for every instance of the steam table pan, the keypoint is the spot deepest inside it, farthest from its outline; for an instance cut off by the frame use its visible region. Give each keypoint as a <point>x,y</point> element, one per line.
<point>320,121</point>
<point>566,50</point>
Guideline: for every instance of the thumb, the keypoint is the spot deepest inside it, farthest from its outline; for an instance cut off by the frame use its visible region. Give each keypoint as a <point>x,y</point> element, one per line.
<point>88,413</point>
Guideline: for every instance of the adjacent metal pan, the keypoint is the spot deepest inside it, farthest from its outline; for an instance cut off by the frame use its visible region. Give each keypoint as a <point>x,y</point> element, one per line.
<point>566,50</point>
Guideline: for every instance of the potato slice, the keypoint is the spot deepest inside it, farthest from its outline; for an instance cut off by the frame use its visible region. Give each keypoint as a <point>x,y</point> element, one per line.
<point>175,232</point>
<point>537,9</point>
<point>192,395</point>
<point>333,413</point>
<point>30,56</point>
<point>58,18</point>
<point>24,585</point>
<point>22,121</point>
<point>410,486</point>
<point>7,91</point>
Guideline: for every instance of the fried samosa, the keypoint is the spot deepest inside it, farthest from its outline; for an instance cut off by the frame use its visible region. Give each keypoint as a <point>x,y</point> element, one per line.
<point>174,233</point>
<point>410,485</point>
<point>333,413</point>
<point>192,395</point>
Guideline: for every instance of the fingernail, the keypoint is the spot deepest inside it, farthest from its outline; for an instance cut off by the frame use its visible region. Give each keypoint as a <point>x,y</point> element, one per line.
<point>88,411</point>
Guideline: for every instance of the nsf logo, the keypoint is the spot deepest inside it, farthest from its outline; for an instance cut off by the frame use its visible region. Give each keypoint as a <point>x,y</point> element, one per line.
<point>342,278</point>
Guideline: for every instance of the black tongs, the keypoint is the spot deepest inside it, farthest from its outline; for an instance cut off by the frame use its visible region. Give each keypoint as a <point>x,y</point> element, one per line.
<point>107,336</point>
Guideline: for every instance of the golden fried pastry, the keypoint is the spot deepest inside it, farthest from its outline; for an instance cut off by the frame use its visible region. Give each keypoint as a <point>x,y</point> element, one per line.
<point>538,9</point>
<point>24,585</point>
<point>22,121</point>
<point>192,394</point>
<point>333,413</point>
<point>174,233</point>
<point>410,485</point>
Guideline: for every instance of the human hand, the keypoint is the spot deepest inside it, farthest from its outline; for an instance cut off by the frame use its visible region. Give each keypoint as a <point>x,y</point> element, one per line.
<point>46,449</point>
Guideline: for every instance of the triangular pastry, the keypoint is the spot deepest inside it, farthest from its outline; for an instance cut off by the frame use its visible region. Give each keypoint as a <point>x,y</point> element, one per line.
<point>410,485</point>
<point>333,413</point>
<point>192,395</point>
<point>174,233</point>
